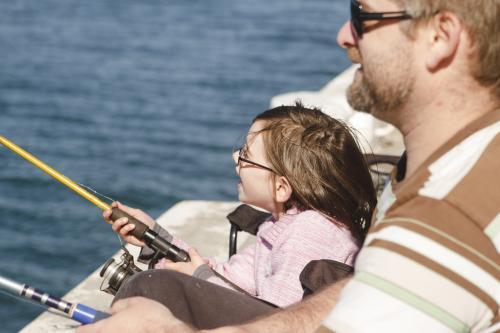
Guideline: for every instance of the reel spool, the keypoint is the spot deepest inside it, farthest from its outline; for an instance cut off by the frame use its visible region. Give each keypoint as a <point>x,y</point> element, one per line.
<point>116,273</point>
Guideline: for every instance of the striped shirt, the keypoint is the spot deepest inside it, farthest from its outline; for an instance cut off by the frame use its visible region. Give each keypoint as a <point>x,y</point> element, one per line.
<point>431,262</point>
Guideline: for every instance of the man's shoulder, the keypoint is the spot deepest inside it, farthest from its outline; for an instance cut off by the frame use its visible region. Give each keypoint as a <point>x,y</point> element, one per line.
<point>472,164</point>
<point>426,271</point>
<point>458,193</point>
<point>452,218</point>
<point>440,233</point>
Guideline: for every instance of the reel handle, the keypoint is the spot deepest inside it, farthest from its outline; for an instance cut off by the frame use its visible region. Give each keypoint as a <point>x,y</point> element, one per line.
<point>140,228</point>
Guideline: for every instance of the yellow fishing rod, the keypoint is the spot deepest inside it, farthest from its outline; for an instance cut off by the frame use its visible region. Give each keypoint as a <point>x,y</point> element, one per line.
<point>141,231</point>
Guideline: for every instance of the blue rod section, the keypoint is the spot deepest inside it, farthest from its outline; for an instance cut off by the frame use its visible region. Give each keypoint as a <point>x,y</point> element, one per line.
<point>78,312</point>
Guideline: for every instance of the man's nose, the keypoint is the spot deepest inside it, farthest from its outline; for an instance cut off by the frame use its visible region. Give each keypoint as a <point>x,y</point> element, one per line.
<point>345,37</point>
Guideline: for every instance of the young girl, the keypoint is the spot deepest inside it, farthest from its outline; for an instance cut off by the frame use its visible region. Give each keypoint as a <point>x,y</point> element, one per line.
<point>307,170</point>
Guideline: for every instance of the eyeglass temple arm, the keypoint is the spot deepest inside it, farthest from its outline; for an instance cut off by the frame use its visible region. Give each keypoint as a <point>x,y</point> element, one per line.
<point>384,16</point>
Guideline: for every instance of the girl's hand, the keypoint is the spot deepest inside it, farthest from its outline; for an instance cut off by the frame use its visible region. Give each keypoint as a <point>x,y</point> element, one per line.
<point>182,267</point>
<point>122,227</point>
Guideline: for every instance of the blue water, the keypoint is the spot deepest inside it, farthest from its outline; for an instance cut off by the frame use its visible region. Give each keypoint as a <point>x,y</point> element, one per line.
<point>142,100</point>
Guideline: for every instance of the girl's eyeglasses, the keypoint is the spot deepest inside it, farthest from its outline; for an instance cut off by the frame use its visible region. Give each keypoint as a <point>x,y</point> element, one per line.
<point>242,159</point>
<point>358,16</point>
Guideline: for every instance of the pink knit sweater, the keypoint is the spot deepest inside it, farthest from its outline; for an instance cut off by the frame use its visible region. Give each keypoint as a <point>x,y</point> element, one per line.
<point>270,268</point>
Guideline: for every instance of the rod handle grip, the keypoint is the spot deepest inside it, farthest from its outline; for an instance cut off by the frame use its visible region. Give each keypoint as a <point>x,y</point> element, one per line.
<point>140,228</point>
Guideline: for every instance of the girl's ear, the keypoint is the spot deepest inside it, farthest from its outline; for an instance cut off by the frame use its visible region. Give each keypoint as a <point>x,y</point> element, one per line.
<point>283,189</point>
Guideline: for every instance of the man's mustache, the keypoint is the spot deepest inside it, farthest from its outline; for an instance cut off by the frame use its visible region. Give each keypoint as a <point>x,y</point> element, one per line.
<point>354,55</point>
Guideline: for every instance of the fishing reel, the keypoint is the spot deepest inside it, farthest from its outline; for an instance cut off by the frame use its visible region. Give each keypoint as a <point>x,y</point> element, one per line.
<point>116,273</point>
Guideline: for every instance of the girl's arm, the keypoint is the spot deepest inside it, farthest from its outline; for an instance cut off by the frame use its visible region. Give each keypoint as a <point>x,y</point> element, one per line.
<point>282,286</point>
<point>240,270</point>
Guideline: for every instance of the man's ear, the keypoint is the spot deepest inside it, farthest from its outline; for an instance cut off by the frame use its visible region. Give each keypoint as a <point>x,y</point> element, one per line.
<point>445,30</point>
<point>283,189</point>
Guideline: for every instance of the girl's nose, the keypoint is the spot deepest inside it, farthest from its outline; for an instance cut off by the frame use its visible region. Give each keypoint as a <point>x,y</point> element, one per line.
<point>236,155</point>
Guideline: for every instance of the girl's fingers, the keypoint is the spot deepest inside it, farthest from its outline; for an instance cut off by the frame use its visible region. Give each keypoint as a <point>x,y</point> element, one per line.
<point>165,260</point>
<point>129,210</point>
<point>160,264</point>
<point>170,265</point>
<point>164,263</point>
<point>125,231</point>
<point>135,212</point>
<point>122,227</point>
<point>123,208</point>
<point>196,259</point>
<point>107,216</point>
<point>119,224</point>
<point>192,252</point>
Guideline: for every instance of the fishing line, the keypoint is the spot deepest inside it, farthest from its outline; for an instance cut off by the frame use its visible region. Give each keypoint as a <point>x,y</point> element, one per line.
<point>95,192</point>
<point>122,245</point>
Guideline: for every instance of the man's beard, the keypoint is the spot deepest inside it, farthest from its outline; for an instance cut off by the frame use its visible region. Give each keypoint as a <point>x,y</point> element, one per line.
<point>382,86</point>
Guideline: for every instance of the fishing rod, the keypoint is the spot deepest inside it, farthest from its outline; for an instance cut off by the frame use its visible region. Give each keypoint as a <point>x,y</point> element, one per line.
<point>141,230</point>
<point>116,273</point>
<point>78,312</point>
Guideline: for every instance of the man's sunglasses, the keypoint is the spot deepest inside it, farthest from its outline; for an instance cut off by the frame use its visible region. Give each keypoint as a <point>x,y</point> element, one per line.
<point>358,16</point>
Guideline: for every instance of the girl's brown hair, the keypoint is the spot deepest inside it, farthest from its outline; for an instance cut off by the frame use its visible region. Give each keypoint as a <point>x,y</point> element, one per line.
<point>321,159</point>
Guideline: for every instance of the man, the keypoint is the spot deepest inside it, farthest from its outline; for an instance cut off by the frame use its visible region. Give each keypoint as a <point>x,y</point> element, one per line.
<point>431,261</point>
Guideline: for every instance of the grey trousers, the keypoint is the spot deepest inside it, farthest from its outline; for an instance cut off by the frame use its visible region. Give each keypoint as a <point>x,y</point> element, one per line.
<point>199,303</point>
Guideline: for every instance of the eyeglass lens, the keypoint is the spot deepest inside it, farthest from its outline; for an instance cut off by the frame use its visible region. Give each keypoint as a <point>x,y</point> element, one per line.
<point>356,22</point>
